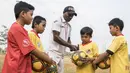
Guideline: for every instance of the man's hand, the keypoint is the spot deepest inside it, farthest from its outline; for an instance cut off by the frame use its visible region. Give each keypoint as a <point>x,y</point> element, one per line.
<point>73,48</point>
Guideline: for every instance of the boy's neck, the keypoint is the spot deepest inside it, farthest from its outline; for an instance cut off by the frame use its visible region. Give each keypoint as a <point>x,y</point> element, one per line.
<point>86,42</point>
<point>35,30</point>
<point>119,33</point>
<point>20,22</point>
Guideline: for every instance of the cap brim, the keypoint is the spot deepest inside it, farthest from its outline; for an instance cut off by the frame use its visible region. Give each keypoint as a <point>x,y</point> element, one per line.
<point>73,12</point>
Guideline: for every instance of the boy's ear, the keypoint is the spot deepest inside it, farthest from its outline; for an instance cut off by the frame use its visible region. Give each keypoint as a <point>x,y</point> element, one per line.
<point>22,14</point>
<point>35,24</point>
<point>117,28</point>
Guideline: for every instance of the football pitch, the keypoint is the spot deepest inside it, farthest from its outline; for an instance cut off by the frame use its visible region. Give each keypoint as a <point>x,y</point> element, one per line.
<point>69,67</point>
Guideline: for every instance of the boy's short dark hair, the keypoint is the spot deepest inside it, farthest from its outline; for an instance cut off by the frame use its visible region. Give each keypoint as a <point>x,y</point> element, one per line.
<point>117,22</point>
<point>87,31</point>
<point>22,6</point>
<point>37,20</point>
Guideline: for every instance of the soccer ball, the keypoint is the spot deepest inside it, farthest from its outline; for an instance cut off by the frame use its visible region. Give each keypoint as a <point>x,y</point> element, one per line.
<point>77,56</point>
<point>38,65</point>
<point>51,69</point>
<point>105,64</point>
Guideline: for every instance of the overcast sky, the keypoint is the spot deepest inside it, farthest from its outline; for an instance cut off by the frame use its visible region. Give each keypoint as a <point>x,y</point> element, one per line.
<point>93,13</point>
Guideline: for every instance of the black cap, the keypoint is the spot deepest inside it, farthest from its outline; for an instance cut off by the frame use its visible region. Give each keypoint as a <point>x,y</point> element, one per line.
<point>70,9</point>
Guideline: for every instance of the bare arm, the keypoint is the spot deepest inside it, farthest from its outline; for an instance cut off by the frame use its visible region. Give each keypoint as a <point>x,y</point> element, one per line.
<point>42,56</point>
<point>101,58</point>
<point>60,41</point>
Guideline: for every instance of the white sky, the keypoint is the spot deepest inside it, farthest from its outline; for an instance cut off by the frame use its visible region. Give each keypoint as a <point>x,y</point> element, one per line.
<point>93,13</point>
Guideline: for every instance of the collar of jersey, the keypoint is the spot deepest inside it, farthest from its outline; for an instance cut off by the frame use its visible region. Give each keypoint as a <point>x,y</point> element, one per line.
<point>87,43</point>
<point>63,21</point>
<point>35,33</point>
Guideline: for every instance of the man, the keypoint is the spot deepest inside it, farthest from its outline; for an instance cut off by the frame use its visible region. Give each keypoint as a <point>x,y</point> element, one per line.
<point>60,38</point>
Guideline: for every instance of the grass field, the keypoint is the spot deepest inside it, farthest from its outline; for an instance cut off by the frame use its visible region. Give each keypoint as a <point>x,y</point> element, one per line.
<point>69,67</point>
<point>1,61</point>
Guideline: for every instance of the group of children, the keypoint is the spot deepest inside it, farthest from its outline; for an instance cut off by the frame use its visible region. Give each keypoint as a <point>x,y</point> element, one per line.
<point>22,44</point>
<point>117,51</point>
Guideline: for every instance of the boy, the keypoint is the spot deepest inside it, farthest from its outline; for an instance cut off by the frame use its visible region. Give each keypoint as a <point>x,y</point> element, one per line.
<point>118,50</point>
<point>38,26</point>
<point>19,48</point>
<point>90,48</point>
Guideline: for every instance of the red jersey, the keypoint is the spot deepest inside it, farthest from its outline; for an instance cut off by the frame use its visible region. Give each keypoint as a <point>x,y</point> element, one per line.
<point>18,59</point>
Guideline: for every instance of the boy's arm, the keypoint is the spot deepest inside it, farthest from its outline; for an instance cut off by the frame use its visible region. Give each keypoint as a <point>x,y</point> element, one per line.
<point>102,56</point>
<point>116,43</point>
<point>42,56</point>
<point>26,46</point>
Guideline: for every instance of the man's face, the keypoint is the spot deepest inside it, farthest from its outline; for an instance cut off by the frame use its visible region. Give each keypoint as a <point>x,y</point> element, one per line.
<point>69,16</point>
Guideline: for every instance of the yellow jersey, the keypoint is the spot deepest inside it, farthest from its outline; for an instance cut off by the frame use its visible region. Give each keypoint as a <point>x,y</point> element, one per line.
<point>119,60</point>
<point>35,39</point>
<point>91,50</point>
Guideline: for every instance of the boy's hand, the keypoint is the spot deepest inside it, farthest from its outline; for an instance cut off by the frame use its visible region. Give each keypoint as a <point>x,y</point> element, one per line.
<point>86,60</point>
<point>53,62</point>
<point>94,65</point>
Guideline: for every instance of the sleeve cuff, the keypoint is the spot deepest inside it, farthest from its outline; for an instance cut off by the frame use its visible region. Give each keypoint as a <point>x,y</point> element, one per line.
<point>109,52</point>
<point>28,49</point>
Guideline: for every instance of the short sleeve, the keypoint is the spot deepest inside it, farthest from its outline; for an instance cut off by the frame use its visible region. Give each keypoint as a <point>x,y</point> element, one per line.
<point>32,38</point>
<point>116,43</point>
<point>23,42</point>
<point>95,49</point>
<point>56,25</point>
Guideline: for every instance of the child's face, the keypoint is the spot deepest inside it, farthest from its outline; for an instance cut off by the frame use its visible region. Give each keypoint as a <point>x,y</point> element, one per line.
<point>113,30</point>
<point>41,27</point>
<point>27,17</point>
<point>85,38</point>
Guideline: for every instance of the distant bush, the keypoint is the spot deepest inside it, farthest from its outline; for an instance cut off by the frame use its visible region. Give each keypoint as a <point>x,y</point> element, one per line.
<point>2,51</point>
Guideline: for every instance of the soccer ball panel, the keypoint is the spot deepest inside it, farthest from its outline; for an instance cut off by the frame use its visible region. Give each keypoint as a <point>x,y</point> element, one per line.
<point>77,56</point>
<point>104,64</point>
<point>52,69</point>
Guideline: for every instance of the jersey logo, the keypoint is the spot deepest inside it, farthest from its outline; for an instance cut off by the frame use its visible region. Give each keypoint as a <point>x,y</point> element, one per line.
<point>38,44</point>
<point>88,51</point>
<point>26,43</point>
